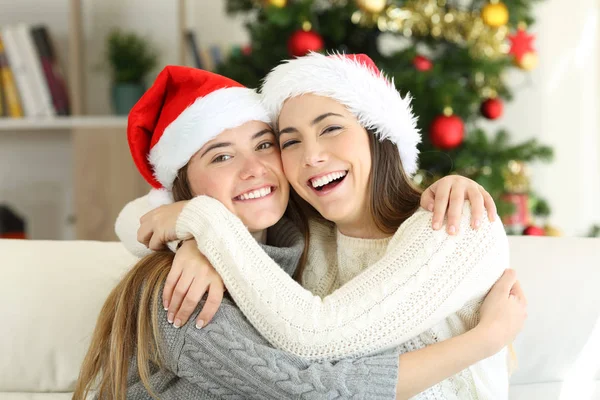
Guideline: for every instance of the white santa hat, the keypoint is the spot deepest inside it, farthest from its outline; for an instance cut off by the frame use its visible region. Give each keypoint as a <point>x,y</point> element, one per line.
<point>183,110</point>
<point>354,81</point>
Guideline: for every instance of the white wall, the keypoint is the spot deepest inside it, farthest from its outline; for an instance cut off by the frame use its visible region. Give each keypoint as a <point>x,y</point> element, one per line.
<point>558,102</point>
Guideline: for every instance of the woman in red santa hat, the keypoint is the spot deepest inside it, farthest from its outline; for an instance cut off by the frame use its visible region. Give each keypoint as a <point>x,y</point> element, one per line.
<point>414,283</point>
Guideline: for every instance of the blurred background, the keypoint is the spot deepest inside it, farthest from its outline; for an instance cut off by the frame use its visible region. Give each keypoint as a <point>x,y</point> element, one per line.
<point>507,93</point>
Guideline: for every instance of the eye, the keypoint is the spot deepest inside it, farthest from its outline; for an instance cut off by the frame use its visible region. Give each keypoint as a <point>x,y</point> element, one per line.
<point>221,158</point>
<point>265,145</point>
<point>331,129</point>
<point>288,143</point>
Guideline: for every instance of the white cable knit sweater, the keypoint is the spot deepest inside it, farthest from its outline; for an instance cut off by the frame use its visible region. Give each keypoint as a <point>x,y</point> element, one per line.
<point>425,288</point>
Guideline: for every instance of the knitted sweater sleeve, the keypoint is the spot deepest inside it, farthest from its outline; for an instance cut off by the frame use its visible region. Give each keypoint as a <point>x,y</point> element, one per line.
<point>424,277</point>
<point>128,223</point>
<point>229,359</point>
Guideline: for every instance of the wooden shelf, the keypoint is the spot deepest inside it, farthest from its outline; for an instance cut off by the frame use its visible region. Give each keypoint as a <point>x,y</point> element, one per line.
<point>61,123</point>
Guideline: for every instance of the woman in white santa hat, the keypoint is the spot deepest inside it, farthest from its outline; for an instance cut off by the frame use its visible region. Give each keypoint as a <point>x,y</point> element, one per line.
<point>421,279</point>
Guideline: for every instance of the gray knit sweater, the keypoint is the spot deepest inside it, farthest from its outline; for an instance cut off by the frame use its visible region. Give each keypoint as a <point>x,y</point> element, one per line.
<point>228,359</point>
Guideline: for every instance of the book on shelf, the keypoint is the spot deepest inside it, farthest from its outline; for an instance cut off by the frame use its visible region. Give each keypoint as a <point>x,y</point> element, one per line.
<point>30,63</point>
<point>9,88</point>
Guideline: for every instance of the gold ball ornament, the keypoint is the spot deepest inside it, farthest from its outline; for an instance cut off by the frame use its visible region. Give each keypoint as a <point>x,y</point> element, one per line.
<point>495,14</point>
<point>528,61</point>
<point>371,6</point>
<point>276,3</point>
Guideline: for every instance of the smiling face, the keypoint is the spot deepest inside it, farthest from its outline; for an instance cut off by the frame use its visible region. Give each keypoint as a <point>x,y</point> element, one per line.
<point>326,157</point>
<point>241,168</point>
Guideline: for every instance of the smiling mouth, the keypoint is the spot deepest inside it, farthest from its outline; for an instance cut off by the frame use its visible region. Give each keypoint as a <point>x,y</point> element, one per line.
<point>256,194</point>
<point>328,181</point>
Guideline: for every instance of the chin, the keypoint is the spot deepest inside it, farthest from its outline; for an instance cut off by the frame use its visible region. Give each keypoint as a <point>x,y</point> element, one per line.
<point>264,220</point>
<point>335,214</point>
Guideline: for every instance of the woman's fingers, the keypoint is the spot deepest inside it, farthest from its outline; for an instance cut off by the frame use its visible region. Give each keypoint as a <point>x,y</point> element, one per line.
<point>442,195</point>
<point>190,302</point>
<point>181,289</point>
<point>455,208</point>
<point>170,283</point>
<point>489,204</point>
<point>213,302</point>
<point>477,206</point>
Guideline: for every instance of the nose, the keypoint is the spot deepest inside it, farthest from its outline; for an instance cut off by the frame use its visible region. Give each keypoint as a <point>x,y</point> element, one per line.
<point>252,168</point>
<point>313,155</point>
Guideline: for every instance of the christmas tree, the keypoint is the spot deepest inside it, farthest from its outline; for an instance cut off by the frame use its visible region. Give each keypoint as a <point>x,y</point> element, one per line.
<point>450,55</point>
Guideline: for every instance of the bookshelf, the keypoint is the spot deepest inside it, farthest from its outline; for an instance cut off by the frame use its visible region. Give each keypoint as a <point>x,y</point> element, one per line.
<point>103,176</point>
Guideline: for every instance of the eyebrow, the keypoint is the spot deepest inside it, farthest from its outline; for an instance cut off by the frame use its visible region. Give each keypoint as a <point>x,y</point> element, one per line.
<point>313,122</point>
<point>261,133</point>
<point>216,146</point>
<point>227,144</point>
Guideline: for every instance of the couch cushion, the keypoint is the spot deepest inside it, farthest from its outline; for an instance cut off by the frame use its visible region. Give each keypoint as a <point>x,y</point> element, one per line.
<point>51,295</point>
<point>555,391</point>
<point>561,339</point>
<point>36,396</point>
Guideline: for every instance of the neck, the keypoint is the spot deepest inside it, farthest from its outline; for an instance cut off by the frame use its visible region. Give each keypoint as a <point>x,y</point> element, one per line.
<point>260,236</point>
<point>363,228</point>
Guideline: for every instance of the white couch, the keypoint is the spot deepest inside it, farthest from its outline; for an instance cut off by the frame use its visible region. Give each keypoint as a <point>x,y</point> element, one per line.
<point>51,293</point>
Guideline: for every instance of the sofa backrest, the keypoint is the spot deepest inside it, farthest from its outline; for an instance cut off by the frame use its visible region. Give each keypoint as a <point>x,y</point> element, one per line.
<point>559,348</point>
<point>52,292</point>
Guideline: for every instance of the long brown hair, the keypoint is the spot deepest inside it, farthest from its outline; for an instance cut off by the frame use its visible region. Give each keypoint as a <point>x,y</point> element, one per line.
<point>128,324</point>
<point>393,197</point>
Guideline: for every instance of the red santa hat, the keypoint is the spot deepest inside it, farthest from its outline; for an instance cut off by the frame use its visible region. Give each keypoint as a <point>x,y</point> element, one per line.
<point>184,109</point>
<point>355,81</point>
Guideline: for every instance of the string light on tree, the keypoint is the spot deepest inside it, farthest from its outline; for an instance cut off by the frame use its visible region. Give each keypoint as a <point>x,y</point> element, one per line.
<point>303,41</point>
<point>447,131</point>
<point>495,14</point>
<point>371,6</point>
<point>528,61</point>
<point>276,3</point>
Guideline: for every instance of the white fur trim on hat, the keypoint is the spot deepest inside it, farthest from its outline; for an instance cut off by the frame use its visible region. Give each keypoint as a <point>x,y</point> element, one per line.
<point>159,197</point>
<point>201,122</point>
<point>371,97</point>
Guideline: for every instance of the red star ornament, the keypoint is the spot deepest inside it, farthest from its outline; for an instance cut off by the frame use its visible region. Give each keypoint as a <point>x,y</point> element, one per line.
<point>521,43</point>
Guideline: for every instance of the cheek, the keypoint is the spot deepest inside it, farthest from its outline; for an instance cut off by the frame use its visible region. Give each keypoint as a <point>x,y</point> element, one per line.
<point>291,164</point>
<point>213,184</point>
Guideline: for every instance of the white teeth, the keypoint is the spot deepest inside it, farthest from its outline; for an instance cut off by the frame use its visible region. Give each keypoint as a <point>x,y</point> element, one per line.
<point>324,180</point>
<point>255,194</point>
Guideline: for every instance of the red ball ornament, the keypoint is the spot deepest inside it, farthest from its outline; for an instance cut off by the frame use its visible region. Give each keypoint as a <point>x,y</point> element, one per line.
<point>492,108</point>
<point>447,132</point>
<point>533,230</point>
<point>422,63</point>
<point>301,42</point>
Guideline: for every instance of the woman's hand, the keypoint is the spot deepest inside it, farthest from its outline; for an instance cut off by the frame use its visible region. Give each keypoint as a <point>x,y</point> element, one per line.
<point>449,193</point>
<point>157,227</point>
<point>190,277</point>
<point>503,312</point>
